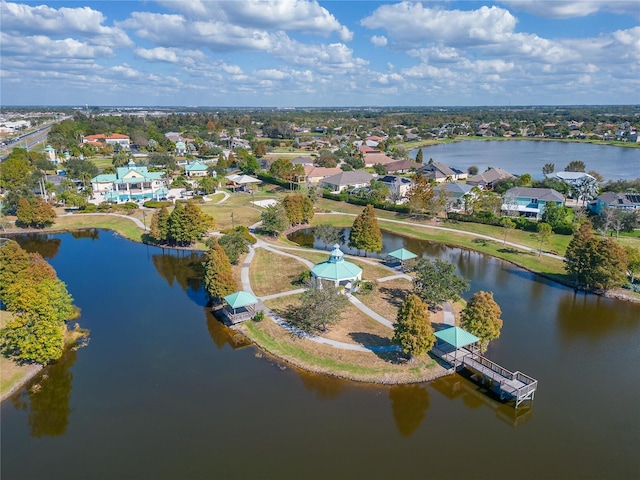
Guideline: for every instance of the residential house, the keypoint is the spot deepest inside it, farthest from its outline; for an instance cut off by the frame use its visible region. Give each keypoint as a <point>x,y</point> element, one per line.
<point>621,201</point>
<point>530,202</point>
<point>398,186</point>
<point>303,161</point>
<point>313,174</point>
<point>573,178</point>
<point>402,166</point>
<point>130,183</point>
<point>488,178</point>
<point>345,180</point>
<point>440,172</point>
<point>455,194</point>
<point>196,169</point>
<point>371,159</point>
<point>115,139</point>
<point>181,148</point>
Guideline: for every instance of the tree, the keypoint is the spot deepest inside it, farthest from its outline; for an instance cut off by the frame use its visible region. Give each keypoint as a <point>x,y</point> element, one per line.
<point>196,224</point>
<point>35,212</point>
<point>554,214</point>
<point>234,244</point>
<point>329,234</point>
<point>321,306</point>
<point>365,233</point>
<point>274,219</point>
<point>524,180</point>
<point>419,194</point>
<point>548,168</point>
<point>437,282</point>
<point>298,208</point>
<point>507,224</point>
<point>586,189</point>
<point>121,158</point>
<point>379,169</point>
<point>250,165</point>
<point>81,169</point>
<point>16,170</point>
<point>413,330</point>
<point>419,156</point>
<point>633,262</point>
<point>472,170</point>
<point>160,225</point>
<point>13,262</point>
<point>595,263</point>
<point>481,317</point>
<point>575,166</point>
<point>207,184</point>
<point>543,235</point>
<point>218,278</point>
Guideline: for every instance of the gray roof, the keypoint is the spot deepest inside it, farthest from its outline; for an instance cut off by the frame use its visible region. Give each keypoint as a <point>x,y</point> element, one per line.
<point>620,199</point>
<point>349,178</point>
<point>490,176</point>
<point>454,188</point>
<point>546,194</point>
<point>438,169</point>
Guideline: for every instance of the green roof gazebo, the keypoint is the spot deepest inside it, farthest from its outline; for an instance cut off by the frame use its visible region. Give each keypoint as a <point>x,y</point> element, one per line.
<point>402,254</point>
<point>337,269</point>
<point>454,340</point>
<point>240,306</point>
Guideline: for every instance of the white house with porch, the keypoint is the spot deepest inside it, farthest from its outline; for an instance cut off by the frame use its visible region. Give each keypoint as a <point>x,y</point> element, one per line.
<point>130,183</point>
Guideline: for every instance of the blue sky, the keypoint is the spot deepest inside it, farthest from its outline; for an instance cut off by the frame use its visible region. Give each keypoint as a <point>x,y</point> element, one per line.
<point>296,53</point>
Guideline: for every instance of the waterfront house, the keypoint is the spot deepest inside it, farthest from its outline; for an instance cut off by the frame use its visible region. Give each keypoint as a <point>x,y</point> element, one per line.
<point>344,180</point>
<point>371,159</point>
<point>130,183</point>
<point>620,201</point>
<point>455,194</point>
<point>573,178</point>
<point>488,178</point>
<point>398,186</point>
<point>439,172</point>
<point>402,166</point>
<point>530,202</point>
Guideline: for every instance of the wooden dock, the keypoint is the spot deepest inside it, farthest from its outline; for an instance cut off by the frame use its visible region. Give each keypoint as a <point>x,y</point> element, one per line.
<point>507,385</point>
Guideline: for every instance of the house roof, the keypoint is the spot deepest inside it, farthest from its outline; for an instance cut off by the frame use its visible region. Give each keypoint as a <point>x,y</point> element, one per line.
<point>302,160</point>
<point>394,179</point>
<point>572,176</point>
<point>620,199</point>
<point>121,175</point>
<point>374,158</point>
<point>547,194</point>
<point>313,171</point>
<point>196,167</point>
<point>453,188</point>
<point>490,176</point>
<point>438,169</point>
<point>349,178</point>
<point>401,165</point>
<point>242,179</point>
<point>457,337</point>
<point>336,268</point>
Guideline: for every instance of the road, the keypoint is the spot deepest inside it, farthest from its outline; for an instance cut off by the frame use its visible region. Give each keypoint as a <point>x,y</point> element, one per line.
<point>28,140</point>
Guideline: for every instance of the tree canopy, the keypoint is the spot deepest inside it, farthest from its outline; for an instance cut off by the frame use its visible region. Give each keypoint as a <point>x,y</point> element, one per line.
<point>481,317</point>
<point>218,278</point>
<point>413,330</point>
<point>365,233</point>
<point>437,282</point>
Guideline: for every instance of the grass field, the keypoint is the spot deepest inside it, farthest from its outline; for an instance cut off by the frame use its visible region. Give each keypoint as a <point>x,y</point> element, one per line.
<point>272,273</point>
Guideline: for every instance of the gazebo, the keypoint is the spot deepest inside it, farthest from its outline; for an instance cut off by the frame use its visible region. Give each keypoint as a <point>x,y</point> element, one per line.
<point>337,269</point>
<point>454,344</point>
<point>240,306</point>
<point>241,181</point>
<point>402,254</point>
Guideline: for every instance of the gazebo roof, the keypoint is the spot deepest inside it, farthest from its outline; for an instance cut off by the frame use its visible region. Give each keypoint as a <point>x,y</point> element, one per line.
<point>457,337</point>
<point>336,268</point>
<point>240,299</point>
<point>402,254</point>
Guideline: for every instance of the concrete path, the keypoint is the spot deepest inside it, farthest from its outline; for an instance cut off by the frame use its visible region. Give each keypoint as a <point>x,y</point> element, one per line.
<point>367,311</point>
<point>394,277</point>
<point>449,317</point>
<point>283,294</point>
<point>224,199</point>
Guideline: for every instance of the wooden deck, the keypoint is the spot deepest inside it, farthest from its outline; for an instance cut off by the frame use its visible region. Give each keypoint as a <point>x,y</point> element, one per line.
<point>507,385</point>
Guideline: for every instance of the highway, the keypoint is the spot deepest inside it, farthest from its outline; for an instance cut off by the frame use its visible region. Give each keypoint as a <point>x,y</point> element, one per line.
<point>28,141</point>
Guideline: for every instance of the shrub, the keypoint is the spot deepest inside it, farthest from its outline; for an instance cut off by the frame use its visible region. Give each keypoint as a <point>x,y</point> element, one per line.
<point>157,204</point>
<point>259,316</point>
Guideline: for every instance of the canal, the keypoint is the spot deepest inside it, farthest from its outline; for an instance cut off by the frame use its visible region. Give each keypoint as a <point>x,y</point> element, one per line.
<point>164,391</point>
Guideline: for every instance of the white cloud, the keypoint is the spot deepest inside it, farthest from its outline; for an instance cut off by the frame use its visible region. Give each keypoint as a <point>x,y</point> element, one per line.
<point>561,9</point>
<point>379,40</point>
<point>286,15</point>
<point>42,20</point>
<point>411,23</point>
<point>170,55</point>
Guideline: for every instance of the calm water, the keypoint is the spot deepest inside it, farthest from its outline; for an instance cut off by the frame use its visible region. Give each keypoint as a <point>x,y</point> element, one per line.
<point>518,157</point>
<point>164,391</point>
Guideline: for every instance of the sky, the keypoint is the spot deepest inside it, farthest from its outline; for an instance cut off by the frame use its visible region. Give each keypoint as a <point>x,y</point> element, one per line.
<point>309,53</point>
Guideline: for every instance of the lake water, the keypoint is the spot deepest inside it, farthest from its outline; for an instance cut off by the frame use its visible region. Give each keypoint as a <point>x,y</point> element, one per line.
<point>529,156</point>
<point>164,391</point>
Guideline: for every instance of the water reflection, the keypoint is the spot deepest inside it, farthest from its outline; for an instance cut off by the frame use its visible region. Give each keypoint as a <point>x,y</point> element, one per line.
<point>90,233</point>
<point>222,335</point>
<point>409,404</point>
<point>43,244</point>
<point>323,386</point>
<point>183,267</point>
<point>47,399</point>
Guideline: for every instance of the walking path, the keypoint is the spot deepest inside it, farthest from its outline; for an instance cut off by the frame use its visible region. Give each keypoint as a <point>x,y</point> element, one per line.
<point>246,286</point>
<point>224,199</point>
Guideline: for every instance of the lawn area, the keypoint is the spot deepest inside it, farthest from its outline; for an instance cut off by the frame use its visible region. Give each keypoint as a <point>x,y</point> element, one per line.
<point>266,279</point>
<point>102,162</point>
<point>125,227</point>
<point>359,366</point>
<point>386,297</point>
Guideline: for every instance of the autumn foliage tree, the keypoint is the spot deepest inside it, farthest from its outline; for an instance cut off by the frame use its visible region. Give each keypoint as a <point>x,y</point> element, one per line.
<point>481,317</point>
<point>40,305</point>
<point>185,225</point>
<point>413,330</point>
<point>420,194</point>
<point>35,212</point>
<point>218,277</point>
<point>365,233</point>
<point>298,208</point>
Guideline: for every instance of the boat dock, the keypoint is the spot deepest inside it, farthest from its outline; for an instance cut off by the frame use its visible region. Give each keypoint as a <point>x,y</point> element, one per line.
<point>458,348</point>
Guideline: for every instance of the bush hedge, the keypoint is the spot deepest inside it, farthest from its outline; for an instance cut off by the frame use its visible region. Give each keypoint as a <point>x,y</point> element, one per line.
<point>157,203</point>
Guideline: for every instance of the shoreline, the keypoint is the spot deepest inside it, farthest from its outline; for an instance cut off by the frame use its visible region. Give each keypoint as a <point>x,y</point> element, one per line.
<point>31,373</point>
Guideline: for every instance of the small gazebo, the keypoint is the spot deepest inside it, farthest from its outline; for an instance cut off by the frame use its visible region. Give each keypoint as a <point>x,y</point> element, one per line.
<point>402,254</point>
<point>240,306</point>
<point>337,269</point>
<point>454,344</point>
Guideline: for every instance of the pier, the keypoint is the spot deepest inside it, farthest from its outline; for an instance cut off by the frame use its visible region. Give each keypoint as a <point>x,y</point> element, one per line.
<point>459,349</point>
